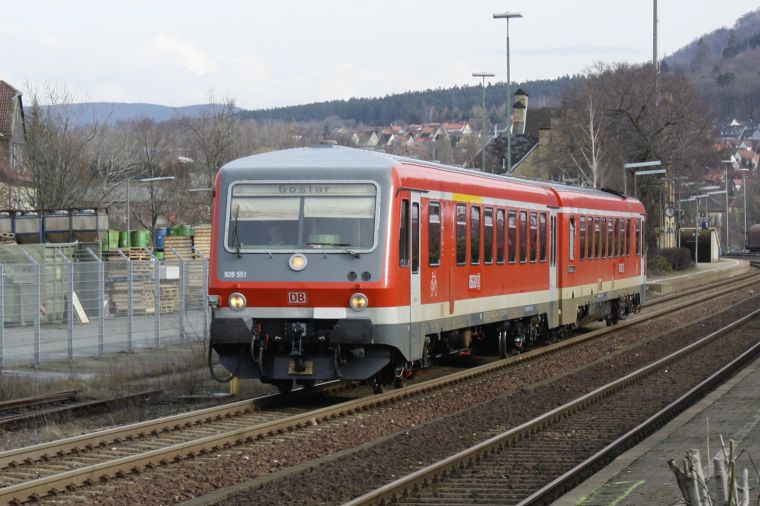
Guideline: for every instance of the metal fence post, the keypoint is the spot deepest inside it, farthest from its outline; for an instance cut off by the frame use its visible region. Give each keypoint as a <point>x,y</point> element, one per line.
<point>38,304</point>
<point>2,317</point>
<point>70,311</point>
<point>101,295</point>
<point>130,308</point>
<point>157,298</point>
<point>182,283</point>
<point>204,302</point>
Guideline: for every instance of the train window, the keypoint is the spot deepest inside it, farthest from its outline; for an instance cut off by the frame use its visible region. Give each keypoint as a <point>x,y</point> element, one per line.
<point>275,217</point>
<point>627,237</point>
<point>523,236</point>
<point>488,235</point>
<point>621,237</point>
<point>416,237</point>
<point>533,236</point>
<point>571,236</point>
<point>512,237</point>
<point>461,231</point>
<point>638,237</point>
<point>610,237</point>
<point>597,237</point>
<point>542,236</point>
<point>474,235</point>
<point>434,234</point>
<point>553,250</point>
<point>603,236</point>
<point>501,236</point>
<point>583,237</point>
<point>403,241</point>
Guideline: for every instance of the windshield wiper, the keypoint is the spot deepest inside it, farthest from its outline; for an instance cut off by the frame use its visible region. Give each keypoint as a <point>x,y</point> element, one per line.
<point>343,245</point>
<point>235,237</point>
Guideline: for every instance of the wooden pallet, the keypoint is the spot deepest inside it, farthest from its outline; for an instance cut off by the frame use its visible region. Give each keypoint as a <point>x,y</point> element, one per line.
<point>202,240</point>
<point>7,238</point>
<point>143,300</point>
<point>182,245</point>
<point>169,298</point>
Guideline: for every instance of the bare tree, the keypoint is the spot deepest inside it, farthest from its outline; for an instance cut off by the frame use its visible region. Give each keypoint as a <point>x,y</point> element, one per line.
<point>57,152</point>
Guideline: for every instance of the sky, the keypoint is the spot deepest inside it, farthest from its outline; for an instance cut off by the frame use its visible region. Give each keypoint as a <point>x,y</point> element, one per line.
<point>270,53</point>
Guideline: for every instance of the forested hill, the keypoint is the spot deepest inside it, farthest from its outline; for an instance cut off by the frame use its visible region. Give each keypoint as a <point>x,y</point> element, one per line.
<point>450,104</point>
<point>723,66</point>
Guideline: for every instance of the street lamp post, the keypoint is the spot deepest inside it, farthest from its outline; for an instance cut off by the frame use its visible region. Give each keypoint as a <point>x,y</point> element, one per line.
<point>508,16</point>
<point>635,165</point>
<point>744,189</point>
<point>483,74</point>
<point>726,163</point>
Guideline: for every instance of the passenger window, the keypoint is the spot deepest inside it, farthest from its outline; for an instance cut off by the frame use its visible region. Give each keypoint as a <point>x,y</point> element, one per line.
<point>474,235</point>
<point>542,236</point>
<point>434,234</point>
<point>571,237</point>
<point>603,236</point>
<point>523,236</point>
<point>403,241</point>
<point>488,235</point>
<point>501,236</point>
<point>512,238</point>
<point>610,238</point>
<point>415,237</point>
<point>628,237</point>
<point>583,237</point>
<point>621,237</point>
<point>597,237</point>
<point>461,220</point>
<point>533,236</point>
<point>638,237</point>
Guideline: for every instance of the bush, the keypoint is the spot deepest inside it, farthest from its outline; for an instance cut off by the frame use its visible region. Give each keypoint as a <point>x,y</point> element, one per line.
<point>678,258</point>
<point>659,264</point>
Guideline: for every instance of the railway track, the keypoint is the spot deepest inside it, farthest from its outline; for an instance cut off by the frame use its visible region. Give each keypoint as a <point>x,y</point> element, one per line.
<point>28,410</point>
<point>538,461</point>
<point>52,467</point>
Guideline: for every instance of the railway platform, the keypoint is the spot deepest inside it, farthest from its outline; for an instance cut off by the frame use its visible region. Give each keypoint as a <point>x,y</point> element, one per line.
<point>642,475</point>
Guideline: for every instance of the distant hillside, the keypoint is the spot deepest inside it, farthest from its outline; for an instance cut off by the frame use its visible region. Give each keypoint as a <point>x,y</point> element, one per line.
<point>115,112</point>
<point>723,65</point>
<point>450,104</point>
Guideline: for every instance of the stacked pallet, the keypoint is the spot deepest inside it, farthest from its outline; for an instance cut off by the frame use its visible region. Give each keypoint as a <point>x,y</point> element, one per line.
<point>202,240</point>
<point>181,245</point>
<point>169,298</point>
<point>7,238</point>
<point>142,264</point>
<point>143,300</point>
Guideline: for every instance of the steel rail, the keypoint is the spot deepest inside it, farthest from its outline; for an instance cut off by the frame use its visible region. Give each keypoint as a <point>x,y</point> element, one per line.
<point>44,485</point>
<point>439,470</point>
<point>36,400</point>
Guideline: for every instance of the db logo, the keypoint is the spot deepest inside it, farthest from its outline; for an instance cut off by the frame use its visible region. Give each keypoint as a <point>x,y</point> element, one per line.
<point>296,297</point>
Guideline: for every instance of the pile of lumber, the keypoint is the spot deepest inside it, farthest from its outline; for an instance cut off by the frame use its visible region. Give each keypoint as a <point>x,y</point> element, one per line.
<point>202,240</point>
<point>183,246</point>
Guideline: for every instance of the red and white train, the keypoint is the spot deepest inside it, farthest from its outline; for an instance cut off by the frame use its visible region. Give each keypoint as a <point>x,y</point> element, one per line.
<point>329,262</point>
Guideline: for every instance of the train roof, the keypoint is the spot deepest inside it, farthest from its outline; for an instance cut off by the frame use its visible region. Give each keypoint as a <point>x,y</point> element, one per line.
<point>328,156</point>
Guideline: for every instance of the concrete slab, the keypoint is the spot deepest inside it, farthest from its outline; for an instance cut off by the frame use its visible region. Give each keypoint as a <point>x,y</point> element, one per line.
<point>642,476</point>
<point>725,268</point>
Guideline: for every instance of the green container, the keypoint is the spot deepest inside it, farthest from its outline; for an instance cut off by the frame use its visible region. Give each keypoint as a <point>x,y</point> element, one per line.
<point>159,255</point>
<point>124,239</point>
<point>182,230</point>
<point>113,239</point>
<point>139,239</point>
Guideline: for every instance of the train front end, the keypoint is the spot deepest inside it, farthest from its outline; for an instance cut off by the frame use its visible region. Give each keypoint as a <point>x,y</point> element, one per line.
<point>297,266</point>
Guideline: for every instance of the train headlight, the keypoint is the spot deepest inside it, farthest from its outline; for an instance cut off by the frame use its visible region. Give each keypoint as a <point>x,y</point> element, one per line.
<point>358,302</point>
<point>297,262</point>
<point>237,301</point>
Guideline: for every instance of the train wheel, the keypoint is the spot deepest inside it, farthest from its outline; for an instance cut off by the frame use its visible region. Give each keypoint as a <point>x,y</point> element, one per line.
<point>503,344</point>
<point>284,386</point>
<point>377,385</point>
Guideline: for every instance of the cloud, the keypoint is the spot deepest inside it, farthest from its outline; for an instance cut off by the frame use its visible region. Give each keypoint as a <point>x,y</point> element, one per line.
<point>190,57</point>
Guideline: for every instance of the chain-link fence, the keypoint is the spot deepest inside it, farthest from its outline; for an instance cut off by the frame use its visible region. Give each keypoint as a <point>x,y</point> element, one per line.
<point>65,301</point>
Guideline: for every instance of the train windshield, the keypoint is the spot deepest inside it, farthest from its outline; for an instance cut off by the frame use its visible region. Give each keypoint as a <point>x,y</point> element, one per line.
<point>302,216</point>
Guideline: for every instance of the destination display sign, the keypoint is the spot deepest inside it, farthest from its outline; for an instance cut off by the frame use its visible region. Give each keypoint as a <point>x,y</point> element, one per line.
<point>303,189</point>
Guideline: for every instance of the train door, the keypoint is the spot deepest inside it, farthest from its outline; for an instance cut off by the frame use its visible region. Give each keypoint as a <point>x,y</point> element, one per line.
<point>553,318</point>
<point>415,302</point>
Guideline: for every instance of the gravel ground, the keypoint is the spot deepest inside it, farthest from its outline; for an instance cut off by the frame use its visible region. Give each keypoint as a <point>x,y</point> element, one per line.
<point>414,430</point>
